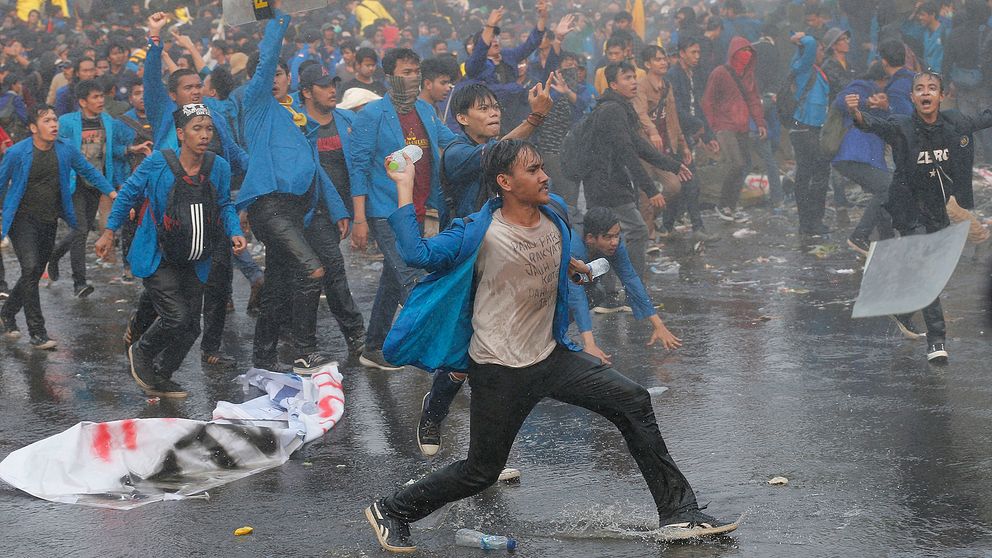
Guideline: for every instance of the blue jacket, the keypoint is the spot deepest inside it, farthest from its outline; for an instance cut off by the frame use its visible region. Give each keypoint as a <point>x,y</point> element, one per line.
<point>463,171</point>
<point>16,166</point>
<point>329,193</point>
<point>451,255</point>
<point>900,92</point>
<point>376,134</point>
<point>152,181</point>
<point>281,159</point>
<point>859,146</point>
<point>933,48</point>
<point>637,295</point>
<point>118,139</point>
<point>813,111</point>
<point>65,100</point>
<point>159,108</point>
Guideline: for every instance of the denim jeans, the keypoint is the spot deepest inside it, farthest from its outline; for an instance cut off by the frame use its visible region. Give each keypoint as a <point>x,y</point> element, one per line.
<point>85,202</point>
<point>503,397</point>
<point>876,182</point>
<point>32,241</point>
<point>395,284</point>
<point>812,175</point>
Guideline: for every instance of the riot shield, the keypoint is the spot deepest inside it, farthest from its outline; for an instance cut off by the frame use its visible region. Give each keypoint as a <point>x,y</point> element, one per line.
<point>239,12</point>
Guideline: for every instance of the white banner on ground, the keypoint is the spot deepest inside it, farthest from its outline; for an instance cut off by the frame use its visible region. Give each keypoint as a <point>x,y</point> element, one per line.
<point>240,12</point>
<point>125,464</point>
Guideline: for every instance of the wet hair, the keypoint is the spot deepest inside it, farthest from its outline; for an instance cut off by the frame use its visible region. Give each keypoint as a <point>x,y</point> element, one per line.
<point>10,80</point>
<point>178,75</point>
<point>38,112</point>
<point>613,71</point>
<point>688,14</point>
<point>932,74</point>
<point>569,55</point>
<point>893,51</point>
<point>930,8</point>
<point>687,42</point>
<point>252,64</point>
<point>714,23</point>
<point>433,68</point>
<point>599,220</point>
<point>85,88</point>
<point>875,72</point>
<point>649,53</point>
<point>500,158</point>
<point>469,96</point>
<point>222,82</point>
<point>623,16</point>
<point>394,55</point>
<point>365,52</point>
<point>348,44</point>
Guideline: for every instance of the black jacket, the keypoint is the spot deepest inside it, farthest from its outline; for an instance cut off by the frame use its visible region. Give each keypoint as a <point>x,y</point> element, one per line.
<point>615,156</point>
<point>933,162</point>
<point>688,96</point>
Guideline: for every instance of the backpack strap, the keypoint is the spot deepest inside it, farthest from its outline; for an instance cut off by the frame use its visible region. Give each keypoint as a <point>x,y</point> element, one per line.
<point>561,211</point>
<point>207,165</point>
<point>173,161</point>
<point>139,130</point>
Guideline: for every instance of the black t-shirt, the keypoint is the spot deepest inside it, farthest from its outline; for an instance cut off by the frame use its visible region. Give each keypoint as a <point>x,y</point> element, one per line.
<point>331,154</point>
<point>42,198</point>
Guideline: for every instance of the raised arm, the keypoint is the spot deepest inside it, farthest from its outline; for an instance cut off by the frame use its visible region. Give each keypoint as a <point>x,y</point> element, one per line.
<point>260,86</point>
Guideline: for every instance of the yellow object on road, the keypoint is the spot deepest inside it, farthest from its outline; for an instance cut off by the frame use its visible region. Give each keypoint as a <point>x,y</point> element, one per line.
<point>243,531</point>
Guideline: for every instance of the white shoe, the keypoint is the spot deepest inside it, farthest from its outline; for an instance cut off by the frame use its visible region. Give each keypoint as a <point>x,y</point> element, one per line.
<point>509,475</point>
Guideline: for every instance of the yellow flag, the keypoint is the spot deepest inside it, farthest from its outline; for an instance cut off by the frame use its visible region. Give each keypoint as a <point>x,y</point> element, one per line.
<point>24,7</point>
<point>636,9</point>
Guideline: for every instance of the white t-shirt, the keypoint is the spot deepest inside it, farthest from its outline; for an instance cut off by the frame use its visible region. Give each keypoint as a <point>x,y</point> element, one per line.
<point>517,286</point>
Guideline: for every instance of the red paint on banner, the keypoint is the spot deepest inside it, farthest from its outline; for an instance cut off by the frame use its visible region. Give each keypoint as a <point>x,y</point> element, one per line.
<point>130,433</point>
<point>101,441</point>
<point>326,410</point>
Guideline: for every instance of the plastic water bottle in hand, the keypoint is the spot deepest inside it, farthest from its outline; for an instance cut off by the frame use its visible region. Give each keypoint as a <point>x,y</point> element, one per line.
<point>475,539</point>
<point>398,163</point>
<point>597,268</point>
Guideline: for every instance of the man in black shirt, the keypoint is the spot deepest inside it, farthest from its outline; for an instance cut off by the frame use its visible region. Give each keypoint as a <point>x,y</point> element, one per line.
<point>328,127</point>
<point>35,192</point>
<point>366,64</point>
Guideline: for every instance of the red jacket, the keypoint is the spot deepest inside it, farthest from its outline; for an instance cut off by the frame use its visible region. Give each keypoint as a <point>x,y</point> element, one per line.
<point>726,109</point>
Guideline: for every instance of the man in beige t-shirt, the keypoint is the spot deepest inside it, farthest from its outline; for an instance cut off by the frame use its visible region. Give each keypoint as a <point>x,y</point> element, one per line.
<point>519,352</point>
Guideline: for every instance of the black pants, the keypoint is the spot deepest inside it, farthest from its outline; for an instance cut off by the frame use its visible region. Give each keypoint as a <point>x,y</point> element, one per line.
<point>289,288</point>
<point>503,397</point>
<point>687,201</point>
<point>86,202</point>
<point>812,178</point>
<point>876,182</point>
<point>32,241</point>
<point>324,237</point>
<point>175,294</point>
<point>216,293</point>
<point>933,314</point>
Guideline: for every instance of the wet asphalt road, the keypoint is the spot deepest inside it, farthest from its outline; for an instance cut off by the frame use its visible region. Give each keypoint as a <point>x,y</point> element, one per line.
<point>886,455</point>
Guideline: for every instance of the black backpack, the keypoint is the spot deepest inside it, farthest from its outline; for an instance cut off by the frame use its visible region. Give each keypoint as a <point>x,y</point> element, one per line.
<point>189,229</point>
<point>785,100</point>
<point>11,122</point>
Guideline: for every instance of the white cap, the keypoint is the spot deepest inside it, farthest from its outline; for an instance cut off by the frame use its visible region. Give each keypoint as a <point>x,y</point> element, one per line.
<point>356,97</point>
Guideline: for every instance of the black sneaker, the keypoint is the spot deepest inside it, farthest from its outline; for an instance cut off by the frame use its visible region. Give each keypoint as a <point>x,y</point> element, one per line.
<point>937,353</point>
<point>308,364</point>
<point>374,359</point>
<point>142,369</point>
<point>356,343</point>
<point>908,328</point>
<point>275,366</point>
<point>53,271</point>
<point>165,387</point>
<point>695,523</point>
<point>218,360</point>
<point>84,290</point>
<point>428,432</point>
<point>393,534</point>
<point>859,245</point>
<point>43,343</point>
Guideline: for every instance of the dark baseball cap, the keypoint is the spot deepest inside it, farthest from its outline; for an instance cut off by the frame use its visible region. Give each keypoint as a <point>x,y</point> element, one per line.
<point>316,75</point>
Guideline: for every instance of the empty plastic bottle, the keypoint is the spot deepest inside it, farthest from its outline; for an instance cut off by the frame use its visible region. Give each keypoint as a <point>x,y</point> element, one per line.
<point>597,268</point>
<point>398,163</point>
<point>475,539</point>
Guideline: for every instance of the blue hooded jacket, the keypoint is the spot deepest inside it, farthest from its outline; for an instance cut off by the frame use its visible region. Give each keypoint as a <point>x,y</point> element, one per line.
<point>16,167</point>
<point>859,146</point>
<point>159,108</point>
<point>376,134</point>
<point>813,111</point>
<point>118,139</point>
<point>281,159</point>
<point>434,328</point>
<point>152,181</point>
<point>900,92</point>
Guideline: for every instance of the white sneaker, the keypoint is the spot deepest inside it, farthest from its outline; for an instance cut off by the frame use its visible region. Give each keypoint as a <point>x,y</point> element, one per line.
<point>509,475</point>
